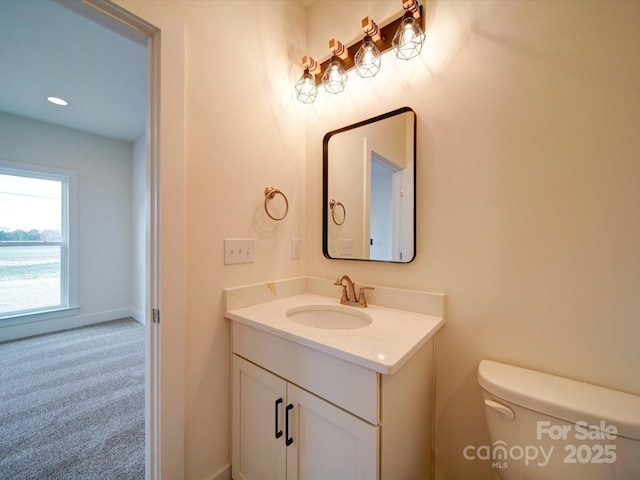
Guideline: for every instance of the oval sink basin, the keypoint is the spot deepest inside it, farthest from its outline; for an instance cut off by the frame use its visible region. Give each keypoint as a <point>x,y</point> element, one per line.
<point>331,317</point>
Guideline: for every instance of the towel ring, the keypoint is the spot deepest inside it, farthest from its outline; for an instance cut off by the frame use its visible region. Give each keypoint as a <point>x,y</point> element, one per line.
<point>269,194</point>
<point>333,204</point>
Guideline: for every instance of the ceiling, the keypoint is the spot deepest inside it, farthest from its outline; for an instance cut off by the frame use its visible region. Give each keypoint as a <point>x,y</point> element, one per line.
<point>46,50</point>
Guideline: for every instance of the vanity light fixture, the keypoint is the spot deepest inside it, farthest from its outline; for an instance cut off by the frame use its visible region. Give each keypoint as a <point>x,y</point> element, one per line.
<point>405,35</point>
<point>306,90</point>
<point>367,60</point>
<point>335,78</point>
<point>409,38</point>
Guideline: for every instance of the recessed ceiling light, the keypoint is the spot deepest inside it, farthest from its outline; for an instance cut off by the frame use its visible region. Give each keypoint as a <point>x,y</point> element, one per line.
<point>58,101</point>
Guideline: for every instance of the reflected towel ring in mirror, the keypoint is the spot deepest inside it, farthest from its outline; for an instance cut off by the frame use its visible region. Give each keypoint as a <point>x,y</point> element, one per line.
<point>333,204</point>
<point>269,194</point>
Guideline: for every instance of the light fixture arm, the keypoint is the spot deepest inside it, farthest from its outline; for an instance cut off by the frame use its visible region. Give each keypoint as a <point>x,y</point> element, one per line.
<point>370,29</point>
<point>338,49</point>
<point>310,64</point>
<point>412,6</point>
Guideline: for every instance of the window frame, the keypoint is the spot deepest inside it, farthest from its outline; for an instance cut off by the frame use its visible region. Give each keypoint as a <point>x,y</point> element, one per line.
<point>68,243</point>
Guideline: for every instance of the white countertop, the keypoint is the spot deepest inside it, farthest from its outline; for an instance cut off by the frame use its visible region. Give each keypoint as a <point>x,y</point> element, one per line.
<point>384,345</point>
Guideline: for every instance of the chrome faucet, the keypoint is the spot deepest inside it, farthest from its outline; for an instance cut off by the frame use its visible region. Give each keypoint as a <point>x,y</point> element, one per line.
<point>349,292</point>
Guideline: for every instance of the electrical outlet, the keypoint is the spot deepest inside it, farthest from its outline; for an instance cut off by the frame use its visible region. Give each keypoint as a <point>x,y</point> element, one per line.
<point>346,247</point>
<point>239,250</point>
<point>295,248</point>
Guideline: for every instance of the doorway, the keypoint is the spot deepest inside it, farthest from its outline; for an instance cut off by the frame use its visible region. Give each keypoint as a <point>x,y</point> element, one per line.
<point>118,20</point>
<point>136,29</point>
<point>387,208</point>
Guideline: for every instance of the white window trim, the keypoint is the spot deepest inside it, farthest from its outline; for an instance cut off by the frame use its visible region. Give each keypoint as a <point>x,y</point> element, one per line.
<point>69,249</point>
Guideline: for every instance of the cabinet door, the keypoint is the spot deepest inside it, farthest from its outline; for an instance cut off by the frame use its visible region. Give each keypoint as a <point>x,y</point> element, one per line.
<point>328,443</point>
<point>258,450</point>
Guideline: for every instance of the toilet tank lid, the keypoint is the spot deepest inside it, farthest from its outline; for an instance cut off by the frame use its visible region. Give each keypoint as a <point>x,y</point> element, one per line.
<point>562,398</point>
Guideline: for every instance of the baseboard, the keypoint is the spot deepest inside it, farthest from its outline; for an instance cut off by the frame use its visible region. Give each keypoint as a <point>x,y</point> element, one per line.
<point>24,330</point>
<point>224,474</point>
<point>138,316</point>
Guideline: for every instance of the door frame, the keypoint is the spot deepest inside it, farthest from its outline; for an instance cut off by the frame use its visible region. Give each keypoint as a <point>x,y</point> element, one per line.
<point>165,342</point>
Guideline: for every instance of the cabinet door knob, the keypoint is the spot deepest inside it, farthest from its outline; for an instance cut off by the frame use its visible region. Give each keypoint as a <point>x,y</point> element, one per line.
<point>278,432</point>
<point>289,440</point>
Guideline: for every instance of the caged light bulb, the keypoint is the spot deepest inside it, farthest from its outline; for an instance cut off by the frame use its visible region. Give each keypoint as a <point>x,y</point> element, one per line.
<point>334,78</point>
<point>409,39</point>
<point>368,59</point>
<point>306,90</point>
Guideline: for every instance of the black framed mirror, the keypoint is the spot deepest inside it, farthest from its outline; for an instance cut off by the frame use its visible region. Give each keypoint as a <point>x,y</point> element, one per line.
<point>369,189</point>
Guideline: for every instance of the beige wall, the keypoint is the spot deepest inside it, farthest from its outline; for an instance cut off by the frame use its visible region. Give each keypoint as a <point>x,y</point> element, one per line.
<point>346,154</point>
<point>243,130</point>
<point>242,134</point>
<point>527,187</point>
<point>528,175</point>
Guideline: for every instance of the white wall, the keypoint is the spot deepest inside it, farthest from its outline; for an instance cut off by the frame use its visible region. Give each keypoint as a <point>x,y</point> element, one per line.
<point>103,166</point>
<point>528,174</point>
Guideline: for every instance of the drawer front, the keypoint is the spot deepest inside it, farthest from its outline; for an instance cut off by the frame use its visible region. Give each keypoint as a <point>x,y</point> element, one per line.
<point>349,386</point>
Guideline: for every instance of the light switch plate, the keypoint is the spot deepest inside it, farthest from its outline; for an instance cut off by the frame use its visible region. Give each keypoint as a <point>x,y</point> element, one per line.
<point>239,250</point>
<point>346,247</point>
<point>295,248</point>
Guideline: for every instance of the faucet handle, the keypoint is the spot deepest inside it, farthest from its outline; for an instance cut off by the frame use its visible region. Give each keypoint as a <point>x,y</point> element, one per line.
<point>345,296</point>
<point>361,299</point>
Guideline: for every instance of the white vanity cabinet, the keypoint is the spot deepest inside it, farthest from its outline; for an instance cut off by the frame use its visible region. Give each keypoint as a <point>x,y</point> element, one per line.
<point>284,432</point>
<point>340,420</point>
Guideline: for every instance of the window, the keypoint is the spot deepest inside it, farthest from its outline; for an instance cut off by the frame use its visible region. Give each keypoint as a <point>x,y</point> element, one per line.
<point>37,241</point>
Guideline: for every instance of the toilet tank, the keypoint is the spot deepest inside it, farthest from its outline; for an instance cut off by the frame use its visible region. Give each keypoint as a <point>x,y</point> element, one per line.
<point>543,426</point>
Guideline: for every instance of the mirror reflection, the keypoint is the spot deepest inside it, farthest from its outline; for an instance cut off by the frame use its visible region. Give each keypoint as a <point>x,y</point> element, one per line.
<point>369,189</point>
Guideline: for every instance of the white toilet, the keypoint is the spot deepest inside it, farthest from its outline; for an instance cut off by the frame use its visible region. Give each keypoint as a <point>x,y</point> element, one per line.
<point>547,427</point>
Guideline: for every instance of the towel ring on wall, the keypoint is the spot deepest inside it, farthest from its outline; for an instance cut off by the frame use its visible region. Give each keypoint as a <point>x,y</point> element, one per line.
<point>333,204</point>
<point>269,194</point>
